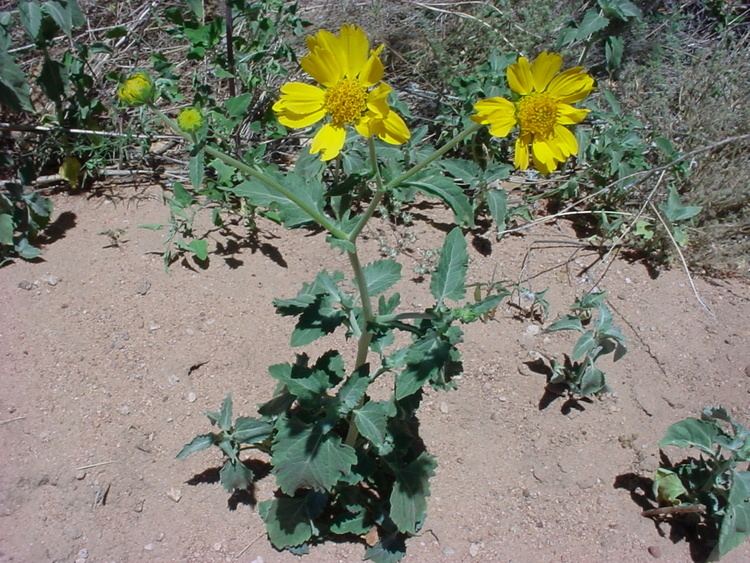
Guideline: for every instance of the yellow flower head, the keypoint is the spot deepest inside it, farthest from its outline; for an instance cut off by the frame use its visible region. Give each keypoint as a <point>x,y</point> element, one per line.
<point>190,120</point>
<point>351,93</point>
<point>136,90</point>
<point>541,112</point>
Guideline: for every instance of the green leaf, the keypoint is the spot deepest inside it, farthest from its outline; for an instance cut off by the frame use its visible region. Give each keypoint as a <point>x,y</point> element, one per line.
<point>66,14</point>
<point>14,90</point>
<point>348,523</point>
<point>372,421</point>
<point>31,17</point>
<point>390,549</point>
<point>289,520</point>
<point>585,344</point>
<point>381,275</point>
<point>237,106</point>
<point>449,278</point>
<point>199,247</point>
<point>26,250</point>
<point>447,190</point>
<point>568,322</point>
<point>613,51</point>
<point>735,526</point>
<point>306,383</point>
<point>592,22</point>
<point>691,433</point>
<point>196,169</point>
<point>497,201</point>
<point>410,492</point>
<point>225,414</point>
<point>668,487</point>
<point>235,475</point>
<point>197,444</point>
<point>305,456</point>
<point>353,390</point>
<point>675,211</point>
<point>425,358</point>
<point>251,430</point>
<point>6,229</point>
<point>592,381</point>
<point>51,79</point>
<point>466,170</point>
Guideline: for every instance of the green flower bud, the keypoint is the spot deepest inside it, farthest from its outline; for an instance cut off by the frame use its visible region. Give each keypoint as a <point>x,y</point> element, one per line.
<point>190,120</point>
<point>137,90</point>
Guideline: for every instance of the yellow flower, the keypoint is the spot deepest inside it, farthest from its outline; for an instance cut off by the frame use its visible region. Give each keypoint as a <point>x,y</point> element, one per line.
<point>136,90</point>
<point>352,93</point>
<point>541,112</point>
<point>190,120</point>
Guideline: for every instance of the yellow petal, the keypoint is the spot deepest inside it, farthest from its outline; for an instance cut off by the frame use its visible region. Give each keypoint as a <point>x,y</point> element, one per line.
<point>519,76</point>
<point>489,106</point>
<point>301,98</point>
<point>543,167</point>
<point>366,126</point>
<point>329,139</point>
<point>543,153</point>
<point>572,85</point>
<point>372,70</point>
<point>323,39</point>
<point>544,68</point>
<point>323,66</point>
<point>393,130</point>
<point>568,115</point>
<point>521,154</point>
<point>377,99</point>
<point>565,140</point>
<point>296,120</point>
<point>355,46</point>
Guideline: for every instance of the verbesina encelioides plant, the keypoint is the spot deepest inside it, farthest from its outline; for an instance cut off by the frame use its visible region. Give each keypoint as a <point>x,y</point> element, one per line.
<point>346,464</point>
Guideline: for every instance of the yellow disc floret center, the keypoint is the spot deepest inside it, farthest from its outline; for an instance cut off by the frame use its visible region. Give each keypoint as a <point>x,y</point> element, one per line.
<point>346,101</point>
<point>537,114</point>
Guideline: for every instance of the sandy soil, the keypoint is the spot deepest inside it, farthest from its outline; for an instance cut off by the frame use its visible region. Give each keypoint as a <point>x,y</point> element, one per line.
<point>107,363</point>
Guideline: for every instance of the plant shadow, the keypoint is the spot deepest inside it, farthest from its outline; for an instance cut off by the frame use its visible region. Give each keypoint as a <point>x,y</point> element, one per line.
<point>260,469</point>
<point>58,228</point>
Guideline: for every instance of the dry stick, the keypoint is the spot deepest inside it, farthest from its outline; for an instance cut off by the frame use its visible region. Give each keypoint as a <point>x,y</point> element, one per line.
<point>682,258</point>
<point>469,17</point>
<point>241,553</point>
<point>667,510</point>
<point>616,244</point>
<point>95,465</point>
<point>645,173</point>
<point>74,131</point>
<point>11,420</point>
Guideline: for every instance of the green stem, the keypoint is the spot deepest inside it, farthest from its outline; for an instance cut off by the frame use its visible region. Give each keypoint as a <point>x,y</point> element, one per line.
<point>314,214</point>
<point>382,189</point>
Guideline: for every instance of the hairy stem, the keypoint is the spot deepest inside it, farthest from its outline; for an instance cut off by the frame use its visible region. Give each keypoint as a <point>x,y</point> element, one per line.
<point>383,189</point>
<point>325,222</point>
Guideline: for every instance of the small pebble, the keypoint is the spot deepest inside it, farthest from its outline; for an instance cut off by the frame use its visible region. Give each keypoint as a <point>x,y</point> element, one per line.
<point>26,284</point>
<point>533,330</point>
<point>191,397</point>
<point>449,551</point>
<point>258,559</point>
<point>149,547</point>
<point>175,494</point>
<point>443,407</point>
<point>52,280</point>
<point>474,549</point>
<point>654,551</point>
<point>160,537</point>
<point>83,554</point>
<point>153,327</point>
<point>143,287</point>
<point>217,547</point>
<point>80,475</point>
<point>124,410</point>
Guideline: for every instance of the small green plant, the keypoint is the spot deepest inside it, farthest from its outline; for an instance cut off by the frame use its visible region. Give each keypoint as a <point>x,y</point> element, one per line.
<point>23,215</point>
<point>599,337</point>
<point>715,487</point>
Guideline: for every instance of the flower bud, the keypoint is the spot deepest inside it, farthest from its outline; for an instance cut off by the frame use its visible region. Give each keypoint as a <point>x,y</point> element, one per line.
<point>190,120</point>
<point>137,90</point>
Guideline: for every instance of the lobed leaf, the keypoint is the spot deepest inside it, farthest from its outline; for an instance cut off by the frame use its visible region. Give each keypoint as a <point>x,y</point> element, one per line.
<point>691,433</point>
<point>447,190</point>
<point>372,421</point>
<point>448,281</point>
<point>381,275</point>
<point>235,475</point>
<point>197,444</point>
<point>305,456</point>
<point>289,519</point>
<point>251,430</point>
<point>410,491</point>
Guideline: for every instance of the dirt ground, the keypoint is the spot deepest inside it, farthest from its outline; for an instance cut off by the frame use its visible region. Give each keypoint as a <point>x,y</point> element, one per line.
<point>107,363</point>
